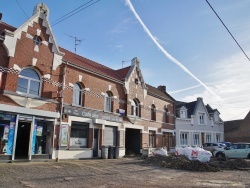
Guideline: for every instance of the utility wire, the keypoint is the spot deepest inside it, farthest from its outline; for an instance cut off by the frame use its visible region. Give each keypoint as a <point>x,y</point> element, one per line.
<point>70,12</point>
<point>22,9</point>
<point>74,13</point>
<point>228,30</point>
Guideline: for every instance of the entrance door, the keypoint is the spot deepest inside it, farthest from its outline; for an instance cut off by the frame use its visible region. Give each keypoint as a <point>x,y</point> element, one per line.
<point>22,140</point>
<point>95,144</point>
<point>202,138</point>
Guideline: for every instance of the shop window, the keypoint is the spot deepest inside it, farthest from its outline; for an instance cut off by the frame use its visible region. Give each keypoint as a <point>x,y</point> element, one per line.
<point>108,102</point>
<point>43,137</point>
<point>135,108</point>
<point>29,82</point>
<point>7,130</point>
<point>79,135</point>
<point>152,138</point>
<point>153,112</point>
<point>77,95</point>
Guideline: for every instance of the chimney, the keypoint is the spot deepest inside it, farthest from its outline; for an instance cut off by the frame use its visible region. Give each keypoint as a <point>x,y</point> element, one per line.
<point>1,16</point>
<point>162,88</point>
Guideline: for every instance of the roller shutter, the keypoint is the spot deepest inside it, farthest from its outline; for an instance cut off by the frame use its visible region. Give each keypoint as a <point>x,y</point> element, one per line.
<point>110,136</point>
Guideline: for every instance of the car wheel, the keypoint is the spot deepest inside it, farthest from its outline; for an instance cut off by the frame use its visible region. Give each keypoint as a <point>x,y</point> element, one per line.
<point>220,156</point>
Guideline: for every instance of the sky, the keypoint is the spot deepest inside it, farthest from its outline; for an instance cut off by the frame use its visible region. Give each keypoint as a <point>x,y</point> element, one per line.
<point>180,44</point>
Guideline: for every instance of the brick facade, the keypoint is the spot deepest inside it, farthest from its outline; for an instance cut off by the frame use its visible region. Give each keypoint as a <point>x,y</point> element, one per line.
<point>95,80</point>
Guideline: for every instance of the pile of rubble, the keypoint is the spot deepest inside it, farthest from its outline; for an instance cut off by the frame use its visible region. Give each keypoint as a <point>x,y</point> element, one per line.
<point>182,163</point>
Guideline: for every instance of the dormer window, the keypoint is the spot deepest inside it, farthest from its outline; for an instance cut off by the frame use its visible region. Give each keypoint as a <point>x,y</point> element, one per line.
<point>183,114</point>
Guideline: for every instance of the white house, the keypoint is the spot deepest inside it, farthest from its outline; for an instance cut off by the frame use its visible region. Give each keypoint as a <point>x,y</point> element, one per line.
<point>197,124</point>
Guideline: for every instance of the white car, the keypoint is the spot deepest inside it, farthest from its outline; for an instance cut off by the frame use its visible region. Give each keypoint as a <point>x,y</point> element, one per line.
<point>236,150</point>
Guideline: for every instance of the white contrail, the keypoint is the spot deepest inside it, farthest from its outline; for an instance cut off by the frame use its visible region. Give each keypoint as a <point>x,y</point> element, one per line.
<point>171,92</point>
<point>171,58</point>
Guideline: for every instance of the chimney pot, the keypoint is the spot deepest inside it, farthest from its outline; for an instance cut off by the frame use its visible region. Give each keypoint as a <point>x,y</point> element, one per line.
<point>1,16</point>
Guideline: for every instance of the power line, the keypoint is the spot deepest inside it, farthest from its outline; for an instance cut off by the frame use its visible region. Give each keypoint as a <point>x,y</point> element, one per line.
<point>228,30</point>
<point>70,12</point>
<point>73,13</point>
<point>22,9</point>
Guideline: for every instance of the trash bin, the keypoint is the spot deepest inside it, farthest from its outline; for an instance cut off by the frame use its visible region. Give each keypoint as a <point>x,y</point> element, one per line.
<point>104,152</point>
<point>111,152</point>
<point>116,153</point>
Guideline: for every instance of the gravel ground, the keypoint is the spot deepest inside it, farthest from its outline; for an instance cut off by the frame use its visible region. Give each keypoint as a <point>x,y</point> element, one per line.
<point>125,172</point>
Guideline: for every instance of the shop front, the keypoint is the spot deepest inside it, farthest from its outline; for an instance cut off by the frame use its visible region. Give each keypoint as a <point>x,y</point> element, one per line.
<point>26,137</point>
<point>86,131</point>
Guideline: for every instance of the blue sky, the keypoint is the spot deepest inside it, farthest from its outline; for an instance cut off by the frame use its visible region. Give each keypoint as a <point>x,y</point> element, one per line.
<point>189,31</point>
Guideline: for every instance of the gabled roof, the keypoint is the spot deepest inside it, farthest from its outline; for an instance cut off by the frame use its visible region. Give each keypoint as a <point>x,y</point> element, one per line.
<point>4,26</point>
<point>190,107</point>
<point>210,110</point>
<point>159,93</point>
<point>92,65</point>
<point>123,72</point>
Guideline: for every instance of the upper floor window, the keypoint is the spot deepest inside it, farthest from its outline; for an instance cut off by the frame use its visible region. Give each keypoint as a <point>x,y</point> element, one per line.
<point>108,102</point>
<point>166,115</point>
<point>183,114</point>
<point>201,118</point>
<point>77,94</point>
<point>135,108</point>
<point>153,112</point>
<point>29,82</point>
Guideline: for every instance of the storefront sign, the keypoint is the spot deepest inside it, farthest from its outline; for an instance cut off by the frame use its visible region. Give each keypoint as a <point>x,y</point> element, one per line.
<point>64,134</point>
<point>93,114</point>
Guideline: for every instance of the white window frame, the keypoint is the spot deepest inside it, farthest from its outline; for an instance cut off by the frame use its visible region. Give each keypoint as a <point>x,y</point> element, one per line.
<point>218,137</point>
<point>208,138</point>
<point>108,102</point>
<point>183,138</point>
<point>196,139</point>
<point>183,114</point>
<point>135,108</point>
<point>201,118</point>
<point>79,103</point>
<point>29,83</point>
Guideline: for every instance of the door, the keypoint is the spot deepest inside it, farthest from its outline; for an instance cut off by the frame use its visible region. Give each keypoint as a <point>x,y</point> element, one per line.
<point>23,140</point>
<point>95,144</point>
<point>202,138</point>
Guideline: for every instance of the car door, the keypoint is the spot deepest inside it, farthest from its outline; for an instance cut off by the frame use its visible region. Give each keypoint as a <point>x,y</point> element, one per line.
<point>242,151</point>
<point>231,152</point>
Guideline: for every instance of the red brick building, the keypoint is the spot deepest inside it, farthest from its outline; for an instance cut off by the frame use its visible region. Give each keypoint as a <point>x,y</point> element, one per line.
<point>238,130</point>
<point>57,104</point>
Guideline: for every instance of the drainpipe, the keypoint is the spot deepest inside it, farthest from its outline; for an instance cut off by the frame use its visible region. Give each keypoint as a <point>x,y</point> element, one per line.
<point>61,110</point>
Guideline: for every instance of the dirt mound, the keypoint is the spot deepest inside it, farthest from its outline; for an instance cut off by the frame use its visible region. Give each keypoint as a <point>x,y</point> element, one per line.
<point>183,163</point>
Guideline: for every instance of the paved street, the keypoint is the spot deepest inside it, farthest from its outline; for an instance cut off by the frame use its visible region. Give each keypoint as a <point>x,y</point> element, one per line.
<point>126,172</point>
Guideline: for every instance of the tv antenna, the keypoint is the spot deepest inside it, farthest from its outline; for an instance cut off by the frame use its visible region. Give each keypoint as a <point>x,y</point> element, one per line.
<point>77,41</point>
<point>124,62</point>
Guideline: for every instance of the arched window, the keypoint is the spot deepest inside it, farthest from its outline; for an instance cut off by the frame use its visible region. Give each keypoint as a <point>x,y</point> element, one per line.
<point>153,112</point>
<point>29,82</point>
<point>108,102</point>
<point>77,94</point>
<point>135,108</point>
